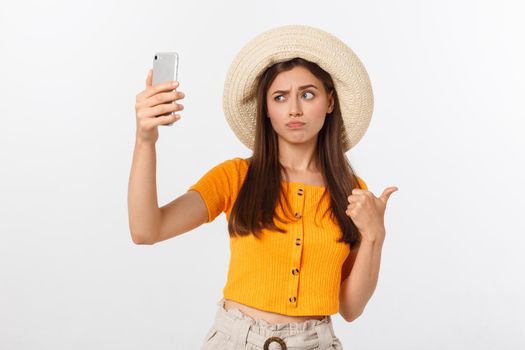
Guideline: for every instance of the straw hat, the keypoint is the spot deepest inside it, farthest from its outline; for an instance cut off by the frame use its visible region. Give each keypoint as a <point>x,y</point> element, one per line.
<point>282,44</point>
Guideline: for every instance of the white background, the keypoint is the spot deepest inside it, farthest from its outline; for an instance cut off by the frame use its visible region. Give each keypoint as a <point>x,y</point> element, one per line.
<point>447,129</point>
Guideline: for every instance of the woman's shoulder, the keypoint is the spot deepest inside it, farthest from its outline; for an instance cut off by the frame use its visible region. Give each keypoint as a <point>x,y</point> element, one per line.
<point>239,160</point>
<point>233,165</point>
<point>362,183</point>
<point>235,161</point>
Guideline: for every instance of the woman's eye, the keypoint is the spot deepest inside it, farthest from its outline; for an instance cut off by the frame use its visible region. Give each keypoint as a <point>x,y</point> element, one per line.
<point>276,98</point>
<point>308,92</point>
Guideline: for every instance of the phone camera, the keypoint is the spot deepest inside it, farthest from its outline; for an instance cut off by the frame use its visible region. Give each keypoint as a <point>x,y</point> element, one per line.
<point>155,56</point>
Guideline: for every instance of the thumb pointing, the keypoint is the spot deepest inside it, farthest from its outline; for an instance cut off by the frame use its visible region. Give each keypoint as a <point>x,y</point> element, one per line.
<point>387,192</point>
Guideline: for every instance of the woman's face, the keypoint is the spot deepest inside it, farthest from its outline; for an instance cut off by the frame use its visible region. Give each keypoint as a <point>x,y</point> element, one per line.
<point>298,96</point>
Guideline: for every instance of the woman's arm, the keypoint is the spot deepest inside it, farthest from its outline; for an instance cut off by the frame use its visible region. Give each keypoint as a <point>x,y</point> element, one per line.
<point>367,212</point>
<point>143,211</point>
<point>357,289</point>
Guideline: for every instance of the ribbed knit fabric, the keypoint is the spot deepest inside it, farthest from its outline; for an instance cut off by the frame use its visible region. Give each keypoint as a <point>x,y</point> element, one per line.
<point>297,273</point>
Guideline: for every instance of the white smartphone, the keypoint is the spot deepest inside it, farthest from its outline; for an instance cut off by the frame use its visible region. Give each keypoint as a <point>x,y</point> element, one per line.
<point>165,68</point>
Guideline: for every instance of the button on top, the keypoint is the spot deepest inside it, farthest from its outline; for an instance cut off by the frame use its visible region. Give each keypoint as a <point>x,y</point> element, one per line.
<point>298,215</point>
<point>300,192</point>
<point>295,272</point>
<point>297,241</point>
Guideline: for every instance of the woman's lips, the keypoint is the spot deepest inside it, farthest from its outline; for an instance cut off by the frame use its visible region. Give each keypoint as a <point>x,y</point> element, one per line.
<point>295,124</point>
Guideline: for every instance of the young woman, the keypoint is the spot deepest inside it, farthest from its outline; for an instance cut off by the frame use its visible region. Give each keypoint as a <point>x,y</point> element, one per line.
<point>297,213</point>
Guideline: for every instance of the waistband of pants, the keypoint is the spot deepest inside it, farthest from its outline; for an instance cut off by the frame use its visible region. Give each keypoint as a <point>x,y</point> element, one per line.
<point>310,334</point>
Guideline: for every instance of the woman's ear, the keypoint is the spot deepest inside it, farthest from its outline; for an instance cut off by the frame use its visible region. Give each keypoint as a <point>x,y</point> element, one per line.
<point>331,100</point>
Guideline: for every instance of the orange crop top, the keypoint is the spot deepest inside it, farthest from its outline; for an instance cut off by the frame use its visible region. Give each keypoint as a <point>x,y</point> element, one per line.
<point>297,273</point>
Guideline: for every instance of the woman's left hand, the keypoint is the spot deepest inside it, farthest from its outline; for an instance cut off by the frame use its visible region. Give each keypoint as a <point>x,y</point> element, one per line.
<point>368,211</point>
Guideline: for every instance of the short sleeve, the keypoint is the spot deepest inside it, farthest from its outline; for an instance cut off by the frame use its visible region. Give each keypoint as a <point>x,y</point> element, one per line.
<point>362,183</point>
<point>215,188</point>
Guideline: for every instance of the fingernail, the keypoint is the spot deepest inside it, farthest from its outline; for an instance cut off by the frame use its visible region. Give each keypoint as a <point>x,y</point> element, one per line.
<point>175,83</point>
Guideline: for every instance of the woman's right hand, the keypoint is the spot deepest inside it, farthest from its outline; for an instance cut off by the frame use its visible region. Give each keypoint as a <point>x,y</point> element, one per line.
<point>154,107</point>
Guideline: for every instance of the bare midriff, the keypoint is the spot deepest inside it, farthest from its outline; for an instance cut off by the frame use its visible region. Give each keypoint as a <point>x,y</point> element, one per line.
<point>270,317</point>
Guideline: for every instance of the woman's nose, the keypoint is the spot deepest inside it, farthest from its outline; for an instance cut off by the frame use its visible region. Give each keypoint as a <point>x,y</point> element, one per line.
<point>295,107</point>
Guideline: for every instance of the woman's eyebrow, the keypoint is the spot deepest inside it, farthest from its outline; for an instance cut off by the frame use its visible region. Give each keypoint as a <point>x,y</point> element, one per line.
<point>300,88</point>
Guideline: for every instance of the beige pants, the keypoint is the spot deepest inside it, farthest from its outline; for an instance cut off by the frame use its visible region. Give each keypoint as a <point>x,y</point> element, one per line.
<point>233,330</point>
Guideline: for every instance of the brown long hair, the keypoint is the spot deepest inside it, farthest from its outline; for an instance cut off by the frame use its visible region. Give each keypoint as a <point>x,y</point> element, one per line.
<point>254,208</point>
